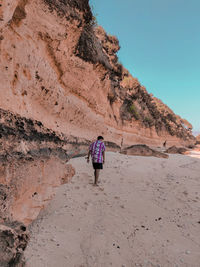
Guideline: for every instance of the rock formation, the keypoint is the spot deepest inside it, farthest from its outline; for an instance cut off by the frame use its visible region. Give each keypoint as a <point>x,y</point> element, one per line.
<point>57,68</point>
<point>32,164</point>
<point>61,86</point>
<point>176,150</point>
<point>143,150</point>
<point>198,139</point>
<point>13,241</point>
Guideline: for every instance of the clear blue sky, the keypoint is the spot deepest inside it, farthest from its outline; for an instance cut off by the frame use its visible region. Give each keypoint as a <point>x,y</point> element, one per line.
<point>160,45</point>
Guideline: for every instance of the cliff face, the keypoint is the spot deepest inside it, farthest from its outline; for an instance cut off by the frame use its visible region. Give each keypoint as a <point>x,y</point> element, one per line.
<point>32,164</point>
<point>61,86</point>
<point>57,69</point>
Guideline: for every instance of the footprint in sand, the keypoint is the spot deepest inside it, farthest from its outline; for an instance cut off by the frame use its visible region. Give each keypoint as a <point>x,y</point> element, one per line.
<point>85,175</point>
<point>101,188</point>
<point>163,165</point>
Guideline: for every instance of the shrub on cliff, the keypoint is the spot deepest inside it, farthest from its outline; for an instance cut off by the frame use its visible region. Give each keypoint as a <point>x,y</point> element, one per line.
<point>149,122</point>
<point>133,110</point>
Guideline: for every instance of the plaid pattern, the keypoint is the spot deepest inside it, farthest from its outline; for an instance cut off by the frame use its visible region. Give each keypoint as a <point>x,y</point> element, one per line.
<point>96,149</point>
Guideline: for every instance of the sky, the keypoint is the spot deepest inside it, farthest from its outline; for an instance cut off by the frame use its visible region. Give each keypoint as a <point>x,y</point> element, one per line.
<point>160,45</point>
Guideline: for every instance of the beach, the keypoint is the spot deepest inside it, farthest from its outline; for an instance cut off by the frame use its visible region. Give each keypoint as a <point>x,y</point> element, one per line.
<point>145,212</point>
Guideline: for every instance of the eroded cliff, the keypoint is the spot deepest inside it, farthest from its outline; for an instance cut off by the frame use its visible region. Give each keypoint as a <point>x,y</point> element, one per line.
<point>60,70</point>
<point>61,86</point>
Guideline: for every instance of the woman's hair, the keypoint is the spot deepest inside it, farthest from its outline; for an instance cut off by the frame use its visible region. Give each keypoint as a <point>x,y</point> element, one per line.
<point>100,137</point>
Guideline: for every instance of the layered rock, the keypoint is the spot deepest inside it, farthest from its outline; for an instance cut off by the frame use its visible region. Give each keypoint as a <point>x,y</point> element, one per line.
<point>58,69</point>
<point>176,150</point>
<point>13,241</point>
<point>143,150</point>
<point>33,162</point>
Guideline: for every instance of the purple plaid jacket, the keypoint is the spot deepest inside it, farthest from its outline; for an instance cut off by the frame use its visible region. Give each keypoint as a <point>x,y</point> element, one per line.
<point>96,149</point>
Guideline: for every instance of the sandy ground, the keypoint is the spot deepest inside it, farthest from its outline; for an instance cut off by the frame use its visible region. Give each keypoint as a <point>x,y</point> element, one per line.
<point>195,154</point>
<point>146,212</point>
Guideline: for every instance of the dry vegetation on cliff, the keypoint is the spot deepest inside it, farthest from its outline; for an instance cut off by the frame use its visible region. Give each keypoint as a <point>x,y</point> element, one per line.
<point>137,103</point>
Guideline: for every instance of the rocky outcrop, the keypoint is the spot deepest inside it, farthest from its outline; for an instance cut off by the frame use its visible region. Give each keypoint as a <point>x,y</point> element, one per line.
<point>198,139</point>
<point>61,86</point>
<point>176,150</point>
<point>143,150</point>
<point>57,68</point>
<point>33,162</point>
<point>13,241</point>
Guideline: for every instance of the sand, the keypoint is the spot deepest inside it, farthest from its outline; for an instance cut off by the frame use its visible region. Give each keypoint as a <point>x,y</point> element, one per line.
<point>146,212</point>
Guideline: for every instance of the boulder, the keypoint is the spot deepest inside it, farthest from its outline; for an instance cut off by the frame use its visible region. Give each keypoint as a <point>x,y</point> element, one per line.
<point>176,150</point>
<point>198,139</point>
<point>13,241</point>
<point>143,150</point>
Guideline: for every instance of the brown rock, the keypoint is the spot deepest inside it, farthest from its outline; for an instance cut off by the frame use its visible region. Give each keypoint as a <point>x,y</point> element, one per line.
<point>176,150</point>
<point>198,139</point>
<point>13,241</point>
<point>61,71</point>
<point>143,150</point>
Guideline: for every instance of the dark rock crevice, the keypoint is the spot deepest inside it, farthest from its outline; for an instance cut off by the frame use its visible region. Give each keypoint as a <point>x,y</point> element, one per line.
<point>25,128</point>
<point>19,13</point>
<point>66,7</point>
<point>89,48</point>
<point>13,241</point>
